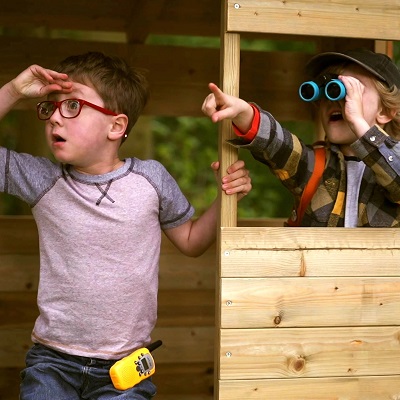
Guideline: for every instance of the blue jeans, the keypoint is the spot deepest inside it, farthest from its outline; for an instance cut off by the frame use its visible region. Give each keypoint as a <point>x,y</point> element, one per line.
<point>50,375</point>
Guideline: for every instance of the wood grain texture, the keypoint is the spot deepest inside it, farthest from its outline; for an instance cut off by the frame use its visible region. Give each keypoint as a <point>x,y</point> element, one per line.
<point>309,352</point>
<point>354,388</point>
<point>362,19</point>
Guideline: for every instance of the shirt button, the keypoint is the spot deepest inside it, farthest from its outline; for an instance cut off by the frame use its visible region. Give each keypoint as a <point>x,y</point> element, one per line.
<point>390,158</point>
<point>372,138</point>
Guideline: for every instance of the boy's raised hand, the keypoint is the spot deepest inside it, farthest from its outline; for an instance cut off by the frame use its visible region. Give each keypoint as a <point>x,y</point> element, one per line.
<point>353,111</point>
<point>219,106</point>
<point>36,81</point>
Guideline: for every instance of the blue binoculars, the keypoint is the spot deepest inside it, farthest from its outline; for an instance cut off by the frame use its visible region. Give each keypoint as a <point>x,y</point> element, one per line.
<point>328,85</point>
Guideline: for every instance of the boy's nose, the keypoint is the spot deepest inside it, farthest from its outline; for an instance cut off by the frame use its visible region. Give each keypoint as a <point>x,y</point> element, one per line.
<point>56,113</point>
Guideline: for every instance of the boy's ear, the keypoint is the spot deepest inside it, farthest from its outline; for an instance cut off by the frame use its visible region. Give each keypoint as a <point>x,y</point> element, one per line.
<point>385,116</point>
<point>118,127</point>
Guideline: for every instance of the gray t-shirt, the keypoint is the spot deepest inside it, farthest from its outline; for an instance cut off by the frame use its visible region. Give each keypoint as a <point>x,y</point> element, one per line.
<point>99,241</point>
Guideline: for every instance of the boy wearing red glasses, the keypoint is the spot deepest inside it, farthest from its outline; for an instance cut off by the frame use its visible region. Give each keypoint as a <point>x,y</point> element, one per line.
<point>100,220</point>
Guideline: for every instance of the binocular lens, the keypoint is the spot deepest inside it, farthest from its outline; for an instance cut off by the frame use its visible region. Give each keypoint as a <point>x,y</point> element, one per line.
<point>309,91</point>
<point>334,90</point>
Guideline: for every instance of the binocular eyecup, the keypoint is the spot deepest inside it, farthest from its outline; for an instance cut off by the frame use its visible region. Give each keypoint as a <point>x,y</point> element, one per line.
<point>327,85</point>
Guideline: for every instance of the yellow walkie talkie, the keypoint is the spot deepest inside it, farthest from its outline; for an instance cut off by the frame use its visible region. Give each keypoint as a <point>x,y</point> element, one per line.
<point>132,369</point>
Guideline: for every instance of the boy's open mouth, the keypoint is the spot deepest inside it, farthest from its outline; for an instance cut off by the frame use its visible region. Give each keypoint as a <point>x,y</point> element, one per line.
<point>336,116</point>
<point>57,139</point>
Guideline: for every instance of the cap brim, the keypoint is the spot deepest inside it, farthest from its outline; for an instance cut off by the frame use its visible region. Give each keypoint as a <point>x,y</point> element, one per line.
<point>321,61</point>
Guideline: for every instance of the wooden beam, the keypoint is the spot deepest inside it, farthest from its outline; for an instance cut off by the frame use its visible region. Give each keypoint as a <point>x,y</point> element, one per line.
<point>176,71</point>
<point>142,19</point>
<point>361,19</point>
<point>369,387</point>
<point>175,17</point>
<point>309,302</point>
<point>310,353</point>
<point>89,15</point>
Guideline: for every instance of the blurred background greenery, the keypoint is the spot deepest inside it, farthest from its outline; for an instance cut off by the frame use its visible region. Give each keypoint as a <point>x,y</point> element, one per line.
<point>185,146</point>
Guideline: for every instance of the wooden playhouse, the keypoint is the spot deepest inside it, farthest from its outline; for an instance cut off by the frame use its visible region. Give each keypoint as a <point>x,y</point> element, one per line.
<point>270,312</point>
<point>305,313</point>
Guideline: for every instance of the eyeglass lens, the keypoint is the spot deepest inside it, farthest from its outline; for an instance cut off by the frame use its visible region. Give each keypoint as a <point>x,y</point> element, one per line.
<point>68,108</point>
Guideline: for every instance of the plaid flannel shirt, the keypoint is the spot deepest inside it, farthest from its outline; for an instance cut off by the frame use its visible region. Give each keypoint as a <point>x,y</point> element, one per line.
<point>292,162</point>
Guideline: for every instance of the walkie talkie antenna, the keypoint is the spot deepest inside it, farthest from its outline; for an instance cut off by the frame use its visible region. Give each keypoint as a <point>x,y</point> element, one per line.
<point>154,345</point>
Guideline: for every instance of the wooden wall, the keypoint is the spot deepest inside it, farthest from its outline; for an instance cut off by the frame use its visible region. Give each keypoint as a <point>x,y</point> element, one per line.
<point>309,313</point>
<point>185,361</point>
<point>320,304</point>
<point>184,369</point>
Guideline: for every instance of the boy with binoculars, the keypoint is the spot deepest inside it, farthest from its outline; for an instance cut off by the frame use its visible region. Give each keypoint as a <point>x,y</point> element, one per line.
<point>357,97</point>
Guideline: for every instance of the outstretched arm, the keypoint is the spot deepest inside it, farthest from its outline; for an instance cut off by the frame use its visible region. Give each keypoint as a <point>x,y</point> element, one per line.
<point>218,106</point>
<point>194,237</point>
<point>34,82</point>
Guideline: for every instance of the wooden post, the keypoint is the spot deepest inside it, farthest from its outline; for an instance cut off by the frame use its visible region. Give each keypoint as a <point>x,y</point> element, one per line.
<point>229,83</point>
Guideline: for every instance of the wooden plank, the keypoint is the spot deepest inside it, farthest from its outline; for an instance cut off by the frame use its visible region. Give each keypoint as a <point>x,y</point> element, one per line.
<point>281,82</point>
<point>306,302</point>
<point>183,378</point>
<point>92,15</point>
<point>193,344</point>
<point>177,17</point>
<point>14,343</point>
<point>194,18</point>
<point>18,235</point>
<point>266,222</point>
<point>343,18</point>
<point>9,383</point>
<point>354,388</point>
<point>18,310</point>
<point>181,75</point>
<point>274,238</point>
<point>309,352</point>
<point>291,263</point>
<point>19,272</point>
<point>186,308</point>
<point>178,271</point>
<point>142,19</point>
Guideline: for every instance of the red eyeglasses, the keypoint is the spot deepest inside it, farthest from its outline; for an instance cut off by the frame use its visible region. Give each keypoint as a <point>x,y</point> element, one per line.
<point>69,108</point>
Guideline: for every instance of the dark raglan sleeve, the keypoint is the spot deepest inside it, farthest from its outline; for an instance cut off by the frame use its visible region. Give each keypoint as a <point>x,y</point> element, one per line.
<point>25,176</point>
<point>175,209</point>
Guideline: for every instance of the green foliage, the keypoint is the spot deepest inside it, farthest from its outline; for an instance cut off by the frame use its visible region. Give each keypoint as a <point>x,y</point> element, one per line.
<point>187,146</point>
<point>186,41</point>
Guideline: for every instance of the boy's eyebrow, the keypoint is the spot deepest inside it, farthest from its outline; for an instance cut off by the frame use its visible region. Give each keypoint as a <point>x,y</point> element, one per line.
<point>76,93</point>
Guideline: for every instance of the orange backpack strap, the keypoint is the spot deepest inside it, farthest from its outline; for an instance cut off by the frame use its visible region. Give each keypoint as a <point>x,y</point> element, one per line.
<point>311,187</point>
